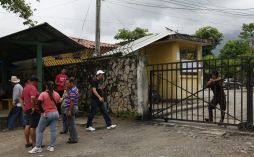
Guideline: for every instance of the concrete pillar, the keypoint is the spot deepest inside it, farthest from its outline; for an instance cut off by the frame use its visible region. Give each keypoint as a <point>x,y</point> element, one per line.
<point>4,68</point>
<point>142,84</point>
<point>39,66</point>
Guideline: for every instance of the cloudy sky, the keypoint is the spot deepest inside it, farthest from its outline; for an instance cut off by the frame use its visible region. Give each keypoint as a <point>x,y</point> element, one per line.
<point>186,16</point>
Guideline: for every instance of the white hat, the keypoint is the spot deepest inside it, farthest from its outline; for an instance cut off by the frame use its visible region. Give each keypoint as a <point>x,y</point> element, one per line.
<point>14,79</point>
<point>99,72</point>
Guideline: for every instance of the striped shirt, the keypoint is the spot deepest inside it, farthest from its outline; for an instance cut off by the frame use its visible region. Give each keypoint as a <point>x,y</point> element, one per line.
<point>72,96</point>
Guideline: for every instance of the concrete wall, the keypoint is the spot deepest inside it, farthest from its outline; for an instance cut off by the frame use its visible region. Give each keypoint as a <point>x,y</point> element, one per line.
<point>121,85</point>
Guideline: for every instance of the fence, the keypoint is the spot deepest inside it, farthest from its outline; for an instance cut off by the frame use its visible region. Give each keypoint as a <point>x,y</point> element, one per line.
<point>178,91</point>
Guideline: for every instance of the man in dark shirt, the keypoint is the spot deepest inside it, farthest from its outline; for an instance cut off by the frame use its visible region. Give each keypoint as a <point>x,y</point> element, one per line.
<point>98,101</point>
<point>219,96</point>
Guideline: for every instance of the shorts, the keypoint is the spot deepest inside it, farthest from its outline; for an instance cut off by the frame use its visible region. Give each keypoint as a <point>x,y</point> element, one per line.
<point>219,100</point>
<point>32,120</point>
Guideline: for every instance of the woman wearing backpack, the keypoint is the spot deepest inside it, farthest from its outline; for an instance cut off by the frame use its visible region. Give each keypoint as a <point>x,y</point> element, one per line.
<point>49,103</point>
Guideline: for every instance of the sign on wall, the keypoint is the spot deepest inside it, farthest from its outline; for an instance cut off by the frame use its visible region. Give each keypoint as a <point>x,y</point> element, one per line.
<point>189,63</point>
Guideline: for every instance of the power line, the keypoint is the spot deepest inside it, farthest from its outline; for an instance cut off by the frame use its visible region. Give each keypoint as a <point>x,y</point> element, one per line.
<point>112,22</point>
<point>164,14</point>
<point>115,16</point>
<point>187,7</point>
<point>85,19</point>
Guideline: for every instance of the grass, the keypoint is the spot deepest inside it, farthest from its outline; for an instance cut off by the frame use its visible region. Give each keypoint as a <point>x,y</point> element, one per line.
<point>128,115</point>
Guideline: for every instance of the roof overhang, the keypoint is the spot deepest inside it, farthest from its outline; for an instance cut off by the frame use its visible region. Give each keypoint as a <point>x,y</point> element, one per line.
<point>23,45</point>
<point>186,39</point>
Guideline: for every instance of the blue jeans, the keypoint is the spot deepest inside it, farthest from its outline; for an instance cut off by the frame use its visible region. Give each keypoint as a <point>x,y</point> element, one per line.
<point>64,119</point>
<point>17,112</point>
<point>52,121</point>
<point>94,105</point>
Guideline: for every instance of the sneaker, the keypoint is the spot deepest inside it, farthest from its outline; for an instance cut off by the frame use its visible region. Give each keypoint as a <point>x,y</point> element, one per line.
<point>111,127</point>
<point>90,128</point>
<point>35,150</point>
<point>7,129</point>
<point>51,149</point>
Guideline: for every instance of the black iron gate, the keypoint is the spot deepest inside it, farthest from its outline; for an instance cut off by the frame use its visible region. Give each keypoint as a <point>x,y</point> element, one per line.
<point>178,91</point>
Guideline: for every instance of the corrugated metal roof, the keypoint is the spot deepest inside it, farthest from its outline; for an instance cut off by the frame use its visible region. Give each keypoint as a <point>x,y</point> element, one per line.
<point>137,44</point>
<point>43,33</point>
<point>168,36</point>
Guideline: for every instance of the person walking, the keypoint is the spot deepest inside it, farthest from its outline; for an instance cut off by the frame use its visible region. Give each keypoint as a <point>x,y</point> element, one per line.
<point>17,109</point>
<point>71,109</point>
<point>64,116</point>
<point>98,101</point>
<point>30,96</point>
<point>60,81</point>
<point>218,98</point>
<point>49,103</point>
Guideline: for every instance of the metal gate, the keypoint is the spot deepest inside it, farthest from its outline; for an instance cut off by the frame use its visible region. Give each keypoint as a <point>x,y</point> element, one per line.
<point>177,91</point>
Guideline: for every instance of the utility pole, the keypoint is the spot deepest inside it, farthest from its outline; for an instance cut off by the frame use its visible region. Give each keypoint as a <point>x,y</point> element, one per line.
<point>98,28</point>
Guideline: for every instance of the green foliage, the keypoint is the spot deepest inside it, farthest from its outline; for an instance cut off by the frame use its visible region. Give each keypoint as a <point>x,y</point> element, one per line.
<point>234,48</point>
<point>20,6</point>
<point>128,36</point>
<point>128,115</point>
<point>209,32</point>
<point>247,34</point>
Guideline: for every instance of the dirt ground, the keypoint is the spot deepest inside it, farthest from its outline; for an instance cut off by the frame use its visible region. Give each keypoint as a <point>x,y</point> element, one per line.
<point>132,138</point>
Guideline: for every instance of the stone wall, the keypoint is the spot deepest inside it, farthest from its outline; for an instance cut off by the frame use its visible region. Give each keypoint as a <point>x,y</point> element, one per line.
<point>119,83</point>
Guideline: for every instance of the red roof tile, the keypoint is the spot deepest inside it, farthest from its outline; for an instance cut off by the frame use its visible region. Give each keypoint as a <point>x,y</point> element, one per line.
<point>91,44</point>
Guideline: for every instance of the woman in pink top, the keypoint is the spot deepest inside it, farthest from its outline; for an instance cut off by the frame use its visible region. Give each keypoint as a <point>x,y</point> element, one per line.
<point>60,81</point>
<point>49,103</point>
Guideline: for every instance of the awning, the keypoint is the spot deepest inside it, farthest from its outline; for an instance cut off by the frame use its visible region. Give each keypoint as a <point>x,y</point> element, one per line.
<point>23,45</point>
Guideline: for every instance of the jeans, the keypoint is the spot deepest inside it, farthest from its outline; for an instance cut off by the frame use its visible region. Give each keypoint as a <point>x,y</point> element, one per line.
<point>17,112</point>
<point>52,121</point>
<point>64,119</point>
<point>94,105</point>
<point>71,123</point>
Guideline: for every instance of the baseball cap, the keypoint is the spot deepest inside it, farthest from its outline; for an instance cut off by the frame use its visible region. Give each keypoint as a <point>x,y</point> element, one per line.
<point>34,78</point>
<point>99,72</point>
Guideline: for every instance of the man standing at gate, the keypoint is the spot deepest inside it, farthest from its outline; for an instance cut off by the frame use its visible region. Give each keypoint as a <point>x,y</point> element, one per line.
<point>219,96</point>
<point>98,101</point>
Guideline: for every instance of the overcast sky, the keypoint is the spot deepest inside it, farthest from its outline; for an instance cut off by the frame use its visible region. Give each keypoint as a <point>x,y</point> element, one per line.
<point>186,16</point>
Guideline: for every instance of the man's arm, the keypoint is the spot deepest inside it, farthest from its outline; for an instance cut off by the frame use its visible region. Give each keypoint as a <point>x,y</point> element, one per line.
<point>215,80</point>
<point>58,83</point>
<point>22,103</point>
<point>33,101</point>
<point>208,84</point>
<point>96,93</point>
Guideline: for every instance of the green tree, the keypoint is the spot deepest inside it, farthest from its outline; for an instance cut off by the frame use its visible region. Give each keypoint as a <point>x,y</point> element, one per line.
<point>209,32</point>
<point>128,36</point>
<point>234,48</point>
<point>20,6</point>
<point>247,34</point>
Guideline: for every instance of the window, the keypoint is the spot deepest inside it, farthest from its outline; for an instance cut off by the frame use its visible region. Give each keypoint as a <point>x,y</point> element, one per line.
<point>188,53</point>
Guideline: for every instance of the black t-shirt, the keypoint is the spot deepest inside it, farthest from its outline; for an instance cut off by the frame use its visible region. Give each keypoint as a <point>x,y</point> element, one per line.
<point>97,84</point>
<point>218,88</point>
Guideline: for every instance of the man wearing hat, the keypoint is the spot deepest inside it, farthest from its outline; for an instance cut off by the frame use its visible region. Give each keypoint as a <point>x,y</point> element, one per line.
<point>98,101</point>
<point>17,109</point>
<point>30,97</point>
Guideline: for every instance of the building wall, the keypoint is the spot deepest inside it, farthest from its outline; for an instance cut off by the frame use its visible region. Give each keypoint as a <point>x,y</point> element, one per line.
<point>167,53</point>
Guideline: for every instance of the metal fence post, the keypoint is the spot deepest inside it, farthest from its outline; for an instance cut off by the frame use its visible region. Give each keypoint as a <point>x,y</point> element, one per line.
<point>150,93</point>
<point>249,97</point>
